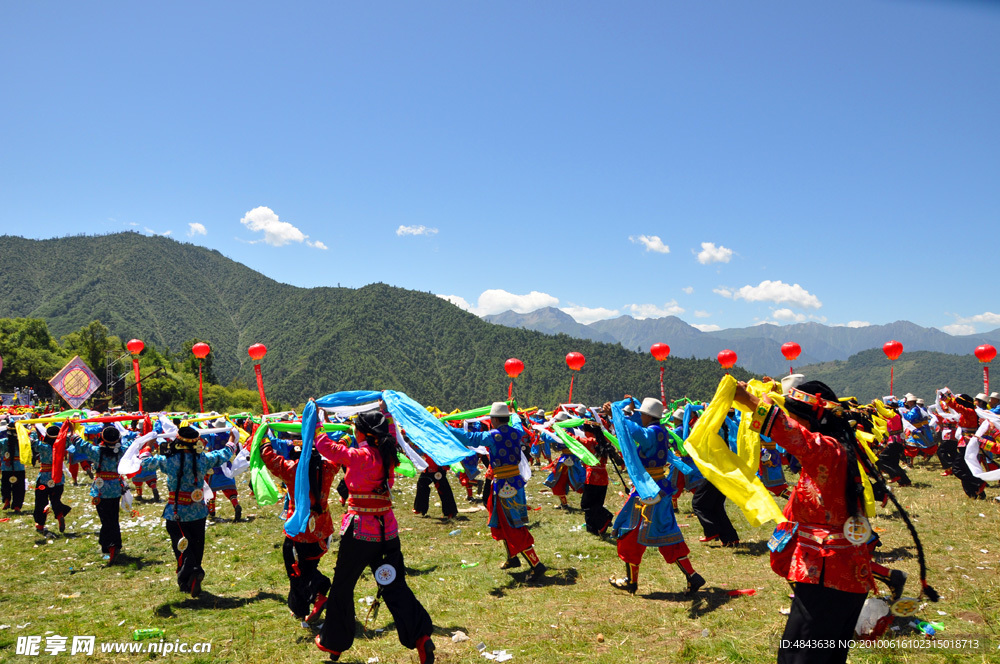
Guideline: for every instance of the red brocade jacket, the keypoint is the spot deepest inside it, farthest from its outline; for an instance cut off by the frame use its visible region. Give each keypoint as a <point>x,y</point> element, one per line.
<point>967,419</point>
<point>819,553</point>
<point>285,470</point>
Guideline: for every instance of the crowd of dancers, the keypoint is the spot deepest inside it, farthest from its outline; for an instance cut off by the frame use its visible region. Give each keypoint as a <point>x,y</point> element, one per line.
<point>847,456</point>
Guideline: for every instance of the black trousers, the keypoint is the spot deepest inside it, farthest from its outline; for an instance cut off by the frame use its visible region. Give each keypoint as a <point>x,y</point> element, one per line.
<point>421,502</point>
<point>709,505</point>
<point>46,495</point>
<point>12,488</point>
<point>595,514</point>
<point>305,580</point>
<point>353,556</point>
<point>188,561</point>
<point>342,490</point>
<point>971,485</point>
<point>888,462</point>
<point>946,453</point>
<point>111,531</point>
<point>820,613</point>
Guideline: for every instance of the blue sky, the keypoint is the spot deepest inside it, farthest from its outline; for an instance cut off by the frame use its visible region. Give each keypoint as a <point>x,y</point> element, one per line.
<point>726,162</point>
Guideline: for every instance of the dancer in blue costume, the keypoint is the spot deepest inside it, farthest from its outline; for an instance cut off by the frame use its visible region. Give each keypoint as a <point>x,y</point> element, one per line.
<point>507,503</point>
<point>640,525</point>
<point>107,488</point>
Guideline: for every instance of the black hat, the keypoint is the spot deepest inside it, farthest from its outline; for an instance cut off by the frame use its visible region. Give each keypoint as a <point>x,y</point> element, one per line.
<point>965,400</point>
<point>373,423</point>
<point>187,435</point>
<point>110,435</point>
<point>51,431</point>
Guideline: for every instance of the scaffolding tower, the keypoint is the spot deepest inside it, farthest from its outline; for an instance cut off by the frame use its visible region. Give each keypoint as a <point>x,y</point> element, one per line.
<point>115,382</point>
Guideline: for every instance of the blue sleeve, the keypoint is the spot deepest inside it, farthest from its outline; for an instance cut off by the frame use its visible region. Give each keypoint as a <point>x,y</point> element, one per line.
<point>155,462</point>
<point>93,452</point>
<point>473,438</point>
<point>216,458</point>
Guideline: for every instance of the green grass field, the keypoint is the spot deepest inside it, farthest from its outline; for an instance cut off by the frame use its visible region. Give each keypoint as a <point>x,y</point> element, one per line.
<point>62,587</point>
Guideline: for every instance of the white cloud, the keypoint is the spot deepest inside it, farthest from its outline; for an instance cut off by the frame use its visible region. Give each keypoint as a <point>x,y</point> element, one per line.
<point>196,229</point>
<point>495,301</point>
<point>788,316</point>
<point>587,315</point>
<point>152,232</point>
<point>642,311</point>
<point>705,327</point>
<point>702,314</point>
<point>773,291</point>
<point>651,242</point>
<point>415,230</point>
<point>458,301</point>
<point>959,329</point>
<point>858,323</point>
<point>131,223</point>
<point>277,233</point>
<point>317,245</point>
<point>988,317</point>
<point>711,254</point>
<point>688,289</point>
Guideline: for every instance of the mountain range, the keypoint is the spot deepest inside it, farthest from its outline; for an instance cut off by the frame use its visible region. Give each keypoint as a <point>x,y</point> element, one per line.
<point>758,347</point>
<point>320,340</point>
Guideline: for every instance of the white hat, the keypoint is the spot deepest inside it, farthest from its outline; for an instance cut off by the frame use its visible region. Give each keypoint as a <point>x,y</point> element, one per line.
<point>887,399</point>
<point>994,395</point>
<point>981,396</point>
<point>791,381</point>
<point>652,407</point>
<point>499,409</point>
<point>678,415</point>
<point>920,402</point>
<point>561,416</point>
<point>910,397</point>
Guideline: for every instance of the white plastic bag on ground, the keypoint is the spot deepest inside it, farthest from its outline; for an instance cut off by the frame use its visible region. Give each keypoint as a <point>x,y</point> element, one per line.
<point>873,610</point>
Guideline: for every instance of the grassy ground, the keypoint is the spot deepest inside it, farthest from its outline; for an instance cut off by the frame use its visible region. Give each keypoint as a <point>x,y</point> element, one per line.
<point>62,587</point>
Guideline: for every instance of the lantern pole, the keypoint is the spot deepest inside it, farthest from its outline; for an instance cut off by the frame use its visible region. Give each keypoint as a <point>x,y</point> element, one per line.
<point>135,347</point>
<point>257,353</point>
<point>260,388</point>
<point>201,398</point>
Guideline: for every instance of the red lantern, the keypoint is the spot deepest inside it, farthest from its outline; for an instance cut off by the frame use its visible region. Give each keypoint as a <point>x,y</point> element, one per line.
<point>892,349</point>
<point>985,353</point>
<point>660,351</point>
<point>791,351</point>
<point>575,361</point>
<point>135,346</point>
<point>257,351</point>
<point>727,358</point>
<point>513,367</point>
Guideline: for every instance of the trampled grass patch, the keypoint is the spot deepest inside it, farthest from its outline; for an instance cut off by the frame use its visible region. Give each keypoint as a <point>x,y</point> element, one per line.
<point>62,587</point>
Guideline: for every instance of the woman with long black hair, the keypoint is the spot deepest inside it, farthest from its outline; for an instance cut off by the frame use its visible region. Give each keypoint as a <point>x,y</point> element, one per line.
<point>822,550</point>
<point>369,539</point>
<point>308,587</point>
